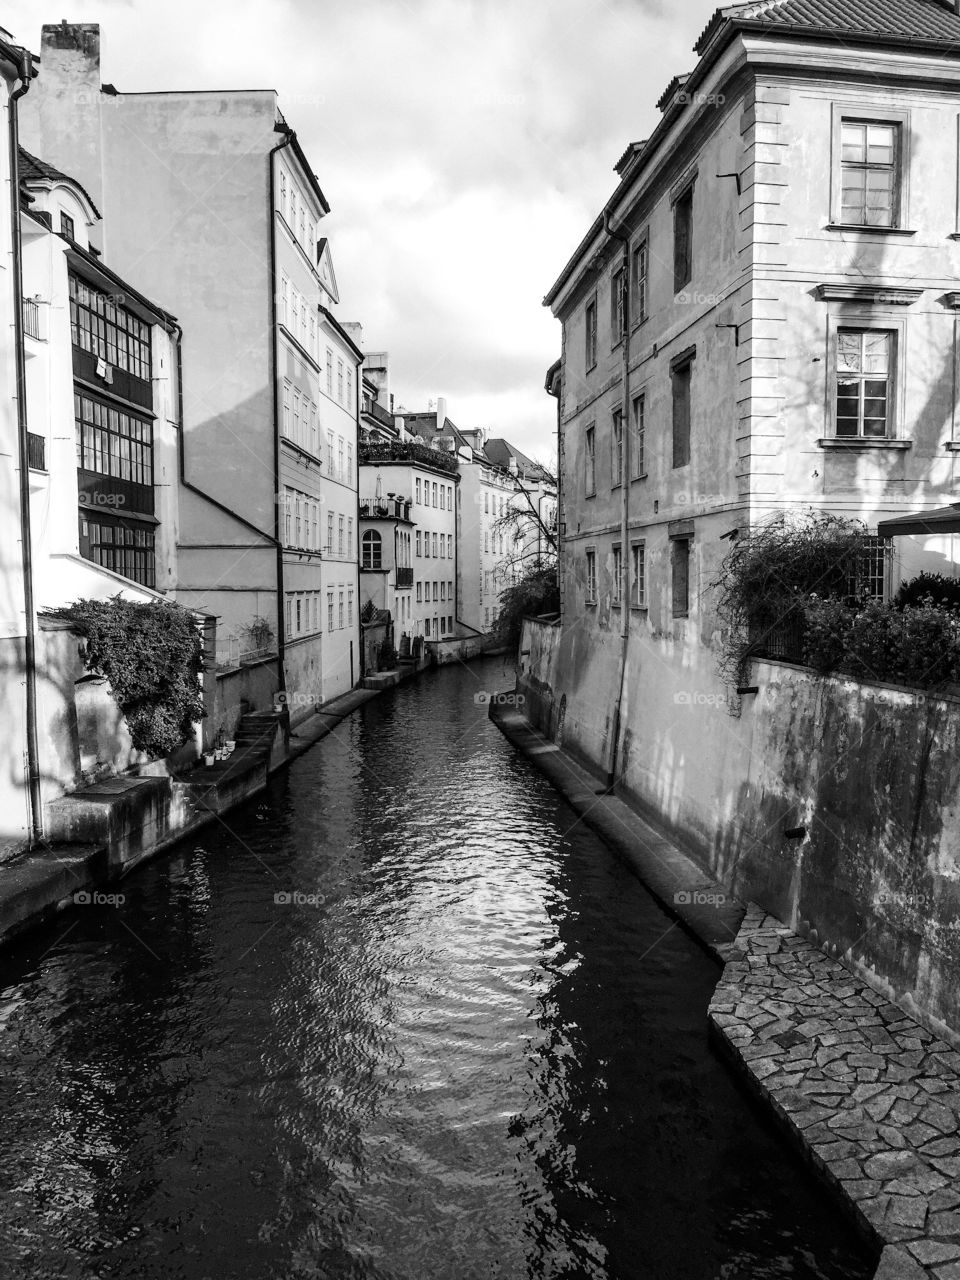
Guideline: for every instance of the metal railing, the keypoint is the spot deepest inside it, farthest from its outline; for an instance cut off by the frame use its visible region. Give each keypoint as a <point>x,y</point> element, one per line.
<point>36,451</point>
<point>31,318</point>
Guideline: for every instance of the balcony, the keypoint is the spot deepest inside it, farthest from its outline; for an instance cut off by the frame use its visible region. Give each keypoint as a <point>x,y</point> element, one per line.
<point>418,454</point>
<point>36,451</point>
<point>31,319</point>
<point>405,577</point>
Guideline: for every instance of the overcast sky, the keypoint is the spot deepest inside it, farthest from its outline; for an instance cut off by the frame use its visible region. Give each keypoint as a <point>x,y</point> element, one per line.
<point>465,146</point>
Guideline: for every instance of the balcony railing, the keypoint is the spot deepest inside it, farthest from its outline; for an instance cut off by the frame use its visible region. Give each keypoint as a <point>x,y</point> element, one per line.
<point>405,577</point>
<point>36,451</point>
<point>31,318</point>
<point>395,451</point>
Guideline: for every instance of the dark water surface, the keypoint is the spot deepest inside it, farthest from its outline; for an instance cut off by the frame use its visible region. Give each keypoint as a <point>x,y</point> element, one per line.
<point>480,1053</point>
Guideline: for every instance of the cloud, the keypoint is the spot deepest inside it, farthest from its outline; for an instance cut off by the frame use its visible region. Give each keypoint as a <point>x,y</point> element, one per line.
<point>465,146</point>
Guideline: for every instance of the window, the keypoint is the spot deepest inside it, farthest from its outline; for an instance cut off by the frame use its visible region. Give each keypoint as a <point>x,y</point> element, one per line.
<point>864,377</point>
<point>329,372</point>
<point>329,610</point>
<point>618,305</point>
<point>870,578</point>
<point>449,546</point>
<point>638,583</point>
<point>340,535</point>
<point>617,592</point>
<point>434,546</point>
<point>350,606</point>
<point>340,381</point>
<point>426,545</point>
<point>443,497</point>
<point>349,537</point>
<point>450,591</point>
<point>426,627</point>
<point>680,554</point>
<point>419,593</point>
<point>283,192</point>
<point>435,591</point>
<point>123,546</point>
<point>443,544</point>
<point>683,240</point>
<point>371,550</point>
<point>109,331</point>
<point>349,463</point>
<point>113,442</point>
<point>591,577</point>
<point>591,333</point>
<point>418,542</point>
<point>637,459</point>
<point>349,387</point>
<point>869,173</point>
<point>339,457</point>
<point>486,503</point>
<point>67,227</point>
<point>590,474</point>
<point>443,592</point>
<point>617,449</point>
<point>329,533</point>
<point>449,497</point>
<point>288,500</point>
<point>419,496</point>
<point>681,372</point>
<point>640,259</point>
<point>434,493</point>
<point>340,610</point>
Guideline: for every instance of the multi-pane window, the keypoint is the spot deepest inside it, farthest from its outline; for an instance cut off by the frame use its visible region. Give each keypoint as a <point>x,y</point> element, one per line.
<point>340,532</point>
<point>419,494</point>
<point>329,372</point>
<point>682,374</point>
<point>638,582</point>
<point>371,550</point>
<point>122,546</point>
<point>617,573</point>
<point>591,583</point>
<point>329,533</point>
<point>340,381</point>
<point>591,333</point>
<point>640,269</point>
<point>329,610</point>
<point>450,546</point>
<point>419,593</point>
<point>590,454</point>
<point>302,613</point>
<point>113,442</point>
<point>340,609</point>
<point>418,540</point>
<point>101,325</point>
<point>864,383</point>
<point>637,459</point>
<point>869,173</point>
<point>67,227</point>
<point>870,576</point>
<point>434,493</point>
<point>617,450</point>
<point>435,553</point>
<point>683,240</point>
<point>618,305</point>
<point>680,551</point>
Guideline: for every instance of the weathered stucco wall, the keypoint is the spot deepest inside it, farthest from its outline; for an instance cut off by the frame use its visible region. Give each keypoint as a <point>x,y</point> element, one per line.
<point>870,772</point>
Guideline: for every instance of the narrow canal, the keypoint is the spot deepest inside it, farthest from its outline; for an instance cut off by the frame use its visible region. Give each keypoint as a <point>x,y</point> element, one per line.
<point>473,1048</point>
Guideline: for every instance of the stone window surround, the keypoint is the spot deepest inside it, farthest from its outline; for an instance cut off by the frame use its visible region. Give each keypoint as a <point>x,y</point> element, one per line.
<point>887,324</point>
<point>875,114</point>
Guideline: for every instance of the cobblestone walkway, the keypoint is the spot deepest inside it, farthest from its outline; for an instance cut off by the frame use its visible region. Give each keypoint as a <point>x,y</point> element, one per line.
<point>873,1096</point>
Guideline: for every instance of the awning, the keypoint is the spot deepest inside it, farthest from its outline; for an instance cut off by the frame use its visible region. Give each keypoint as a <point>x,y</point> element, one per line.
<point>939,520</point>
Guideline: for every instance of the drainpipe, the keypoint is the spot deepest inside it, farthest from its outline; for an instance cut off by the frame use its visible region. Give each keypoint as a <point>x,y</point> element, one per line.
<point>24,64</point>
<point>624,500</point>
<point>288,136</point>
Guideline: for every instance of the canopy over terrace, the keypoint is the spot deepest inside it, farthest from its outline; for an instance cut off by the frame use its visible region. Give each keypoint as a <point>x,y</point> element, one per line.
<point>937,520</point>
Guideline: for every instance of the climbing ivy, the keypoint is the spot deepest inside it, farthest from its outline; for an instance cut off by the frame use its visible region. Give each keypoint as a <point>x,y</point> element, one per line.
<point>152,655</point>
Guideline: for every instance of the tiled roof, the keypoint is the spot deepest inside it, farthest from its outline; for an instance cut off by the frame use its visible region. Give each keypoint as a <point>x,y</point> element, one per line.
<point>37,170</point>
<point>500,451</point>
<point>926,20</point>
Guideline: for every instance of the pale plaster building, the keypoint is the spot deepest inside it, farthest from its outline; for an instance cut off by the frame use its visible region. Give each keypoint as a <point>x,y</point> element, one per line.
<point>223,214</point>
<point>764,317</point>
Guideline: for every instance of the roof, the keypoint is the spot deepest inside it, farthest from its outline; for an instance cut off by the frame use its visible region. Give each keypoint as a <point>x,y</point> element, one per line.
<point>500,451</point>
<point>931,20</point>
<point>932,25</point>
<point>425,424</point>
<point>937,520</point>
<point>33,169</point>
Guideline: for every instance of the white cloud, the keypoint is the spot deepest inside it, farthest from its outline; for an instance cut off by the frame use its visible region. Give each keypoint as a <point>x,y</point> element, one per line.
<point>465,146</point>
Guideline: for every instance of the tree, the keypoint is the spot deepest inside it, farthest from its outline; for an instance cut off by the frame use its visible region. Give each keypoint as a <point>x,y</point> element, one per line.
<point>537,592</point>
<point>529,531</point>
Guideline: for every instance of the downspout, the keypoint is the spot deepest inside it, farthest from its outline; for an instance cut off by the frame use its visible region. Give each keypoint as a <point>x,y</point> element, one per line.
<point>24,65</point>
<point>624,502</point>
<point>288,136</point>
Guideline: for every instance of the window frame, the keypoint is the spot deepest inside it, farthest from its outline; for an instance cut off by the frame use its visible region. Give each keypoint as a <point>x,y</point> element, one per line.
<point>681,366</point>
<point>896,399</point>
<point>618,305</point>
<point>684,540</point>
<point>616,447</point>
<point>616,595</point>
<point>638,441</point>
<point>590,575</point>
<point>590,460</point>
<point>870,113</point>
<point>641,284</point>
<point>681,198</point>
<point>590,344</point>
<point>638,581</point>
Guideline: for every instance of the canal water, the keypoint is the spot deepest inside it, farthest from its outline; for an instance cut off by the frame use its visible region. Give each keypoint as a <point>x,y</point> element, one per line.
<point>468,1045</point>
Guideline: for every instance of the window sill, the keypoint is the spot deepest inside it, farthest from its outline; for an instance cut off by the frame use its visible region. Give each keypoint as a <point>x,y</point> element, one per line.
<point>680,617</point>
<point>868,230</point>
<point>641,476</point>
<point>952,446</point>
<point>834,442</point>
<point>591,604</point>
<point>639,608</point>
<point>590,367</point>
<point>638,324</point>
<point>591,495</point>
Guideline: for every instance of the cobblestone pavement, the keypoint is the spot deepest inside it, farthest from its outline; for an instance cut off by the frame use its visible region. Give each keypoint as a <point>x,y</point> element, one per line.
<point>873,1097</point>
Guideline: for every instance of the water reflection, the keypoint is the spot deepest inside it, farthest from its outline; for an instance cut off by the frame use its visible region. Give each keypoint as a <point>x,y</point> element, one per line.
<point>479,1052</point>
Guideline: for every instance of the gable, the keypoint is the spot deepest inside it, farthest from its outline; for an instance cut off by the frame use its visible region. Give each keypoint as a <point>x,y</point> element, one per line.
<point>328,279</point>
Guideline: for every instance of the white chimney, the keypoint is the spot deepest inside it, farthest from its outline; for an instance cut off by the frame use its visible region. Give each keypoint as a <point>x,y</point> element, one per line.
<point>441,412</point>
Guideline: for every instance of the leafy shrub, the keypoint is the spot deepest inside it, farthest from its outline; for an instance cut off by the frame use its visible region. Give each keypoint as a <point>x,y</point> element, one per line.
<point>152,655</point>
<point>917,645</point>
<point>941,590</point>
<point>537,592</point>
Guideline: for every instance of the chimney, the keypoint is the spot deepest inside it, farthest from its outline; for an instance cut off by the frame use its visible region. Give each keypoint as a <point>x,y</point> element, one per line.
<point>441,412</point>
<point>60,118</point>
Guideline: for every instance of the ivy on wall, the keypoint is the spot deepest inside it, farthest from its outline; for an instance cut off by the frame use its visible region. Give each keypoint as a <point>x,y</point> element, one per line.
<point>152,655</point>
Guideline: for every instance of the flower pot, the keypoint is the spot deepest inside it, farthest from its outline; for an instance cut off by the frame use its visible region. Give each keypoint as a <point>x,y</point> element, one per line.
<point>231,746</point>
<point>209,757</point>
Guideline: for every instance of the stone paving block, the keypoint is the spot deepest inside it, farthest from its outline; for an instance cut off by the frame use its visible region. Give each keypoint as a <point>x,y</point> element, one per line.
<point>930,1251</point>
<point>896,1264</point>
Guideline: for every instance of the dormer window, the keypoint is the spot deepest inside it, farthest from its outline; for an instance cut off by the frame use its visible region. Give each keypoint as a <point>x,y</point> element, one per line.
<point>67,227</point>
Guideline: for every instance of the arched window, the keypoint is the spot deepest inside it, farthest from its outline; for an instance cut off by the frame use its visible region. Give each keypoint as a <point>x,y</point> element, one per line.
<point>372,550</point>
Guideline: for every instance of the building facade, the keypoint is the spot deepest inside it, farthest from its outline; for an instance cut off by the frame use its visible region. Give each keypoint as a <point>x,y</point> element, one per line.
<point>762,319</point>
<point>243,268</point>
